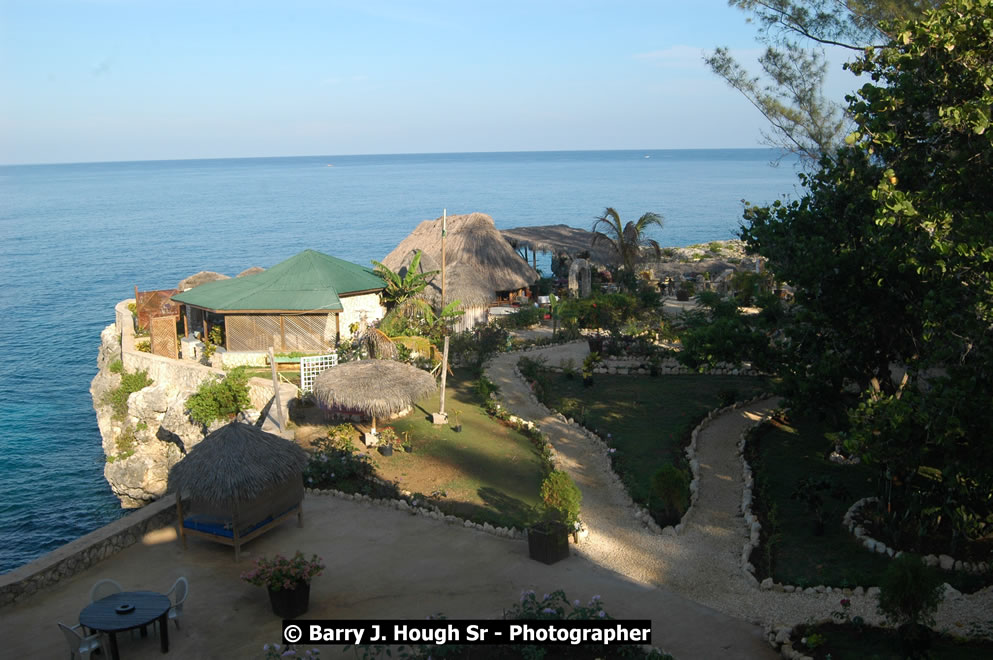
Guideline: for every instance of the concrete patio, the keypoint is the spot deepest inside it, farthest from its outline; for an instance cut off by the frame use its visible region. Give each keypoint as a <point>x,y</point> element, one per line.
<point>381,563</point>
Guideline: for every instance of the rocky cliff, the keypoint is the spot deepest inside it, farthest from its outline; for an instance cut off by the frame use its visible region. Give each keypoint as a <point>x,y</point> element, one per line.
<point>151,437</point>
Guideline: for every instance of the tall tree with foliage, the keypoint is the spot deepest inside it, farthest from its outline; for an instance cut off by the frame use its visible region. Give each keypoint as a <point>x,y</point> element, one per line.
<point>796,33</point>
<point>627,240</point>
<point>891,254</point>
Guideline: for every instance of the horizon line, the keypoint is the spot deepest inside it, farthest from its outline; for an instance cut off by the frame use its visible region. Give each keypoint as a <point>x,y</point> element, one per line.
<point>412,153</point>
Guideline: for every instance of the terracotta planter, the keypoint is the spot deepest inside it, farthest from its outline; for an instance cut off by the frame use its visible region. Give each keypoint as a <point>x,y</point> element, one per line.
<point>290,603</point>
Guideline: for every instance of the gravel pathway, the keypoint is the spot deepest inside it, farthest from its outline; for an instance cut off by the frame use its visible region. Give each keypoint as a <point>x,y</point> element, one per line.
<point>703,562</point>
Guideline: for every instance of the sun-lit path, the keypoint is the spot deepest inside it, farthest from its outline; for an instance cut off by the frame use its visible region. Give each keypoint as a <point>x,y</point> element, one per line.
<point>703,562</point>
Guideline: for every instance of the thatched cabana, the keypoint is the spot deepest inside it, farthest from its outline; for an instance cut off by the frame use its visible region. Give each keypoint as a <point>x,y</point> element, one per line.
<point>254,270</point>
<point>481,267</point>
<point>202,277</point>
<point>377,388</point>
<point>559,240</point>
<point>239,482</point>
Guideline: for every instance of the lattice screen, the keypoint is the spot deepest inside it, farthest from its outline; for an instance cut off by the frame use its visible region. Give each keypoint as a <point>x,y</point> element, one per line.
<point>311,366</point>
<point>162,330</point>
<point>257,332</point>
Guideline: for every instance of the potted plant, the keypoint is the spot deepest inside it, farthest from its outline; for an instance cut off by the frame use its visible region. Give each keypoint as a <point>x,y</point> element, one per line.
<point>909,595</point>
<point>287,580</point>
<point>548,537</point>
<point>407,447</point>
<point>457,427</point>
<point>387,441</point>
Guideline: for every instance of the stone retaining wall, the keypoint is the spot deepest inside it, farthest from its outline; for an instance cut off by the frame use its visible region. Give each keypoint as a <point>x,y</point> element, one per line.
<point>84,552</point>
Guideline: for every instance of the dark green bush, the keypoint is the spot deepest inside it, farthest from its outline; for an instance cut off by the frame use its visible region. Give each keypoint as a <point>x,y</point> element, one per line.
<point>220,399</point>
<point>561,497</point>
<point>116,367</point>
<point>671,493</point>
<point>524,317</point>
<point>910,592</point>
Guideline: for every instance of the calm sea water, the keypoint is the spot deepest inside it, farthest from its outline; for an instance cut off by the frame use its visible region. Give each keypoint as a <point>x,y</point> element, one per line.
<point>76,239</point>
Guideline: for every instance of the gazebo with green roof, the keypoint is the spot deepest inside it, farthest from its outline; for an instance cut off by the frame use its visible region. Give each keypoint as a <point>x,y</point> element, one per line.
<point>304,303</point>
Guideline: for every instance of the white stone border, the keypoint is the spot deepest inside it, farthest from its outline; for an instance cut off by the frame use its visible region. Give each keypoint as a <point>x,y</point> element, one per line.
<point>945,562</point>
<point>641,513</point>
<point>417,509</point>
<point>755,530</point>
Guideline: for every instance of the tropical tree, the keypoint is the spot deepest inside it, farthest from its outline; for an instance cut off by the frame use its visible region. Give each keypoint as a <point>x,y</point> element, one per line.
<point>891,255</point>
<point>626,240</point>
<point>399,288</point>
<point>797,34</point>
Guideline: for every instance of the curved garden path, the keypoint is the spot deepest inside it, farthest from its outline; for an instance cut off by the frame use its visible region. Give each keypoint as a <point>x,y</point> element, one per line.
<point>702,563</point>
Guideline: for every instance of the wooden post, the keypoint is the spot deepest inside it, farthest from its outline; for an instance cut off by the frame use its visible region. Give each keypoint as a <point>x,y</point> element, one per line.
<point>444,375</point>
<point>179,518</point>
<point>275,389</point>
<point>186,326</point>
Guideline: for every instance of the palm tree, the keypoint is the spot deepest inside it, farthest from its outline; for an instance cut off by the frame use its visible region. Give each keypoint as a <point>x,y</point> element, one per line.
<point>399,288</point>
<point>626,240</point>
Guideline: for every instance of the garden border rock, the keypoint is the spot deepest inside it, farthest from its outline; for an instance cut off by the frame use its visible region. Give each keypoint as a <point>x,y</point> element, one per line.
<point>945,562</point>
<point>641,513</point>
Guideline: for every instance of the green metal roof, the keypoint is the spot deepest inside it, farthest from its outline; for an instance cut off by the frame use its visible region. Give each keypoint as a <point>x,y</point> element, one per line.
<point>309,281</point>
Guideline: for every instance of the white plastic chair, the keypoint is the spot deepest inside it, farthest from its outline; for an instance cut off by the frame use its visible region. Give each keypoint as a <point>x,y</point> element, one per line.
<point>84,646</point>
<point>177,596</point>
<point>104,588</point>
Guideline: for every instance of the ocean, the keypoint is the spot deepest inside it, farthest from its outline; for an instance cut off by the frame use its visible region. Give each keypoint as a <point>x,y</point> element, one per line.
<point>76,239</point>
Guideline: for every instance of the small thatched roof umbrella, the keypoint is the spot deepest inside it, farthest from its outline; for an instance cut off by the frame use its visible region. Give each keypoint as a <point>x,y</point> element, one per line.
<point>202,277</point>
<point>254,270</point>
<point>239,476</point>
<point>378,388</point>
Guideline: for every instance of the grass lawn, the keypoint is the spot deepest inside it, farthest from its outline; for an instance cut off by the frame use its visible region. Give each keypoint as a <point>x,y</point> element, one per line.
<point>649,419</point>
<point>487,473</point>
<point>292,375</point>
<point>848,642</point>
<point>780,457</point>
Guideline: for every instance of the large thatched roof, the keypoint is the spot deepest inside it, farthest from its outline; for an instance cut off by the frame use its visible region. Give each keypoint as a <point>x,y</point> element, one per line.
<point>202,277</point>
<point>478,261</point>
<point>558,240</point>
<point>379,388</point>
<point>236,463</point>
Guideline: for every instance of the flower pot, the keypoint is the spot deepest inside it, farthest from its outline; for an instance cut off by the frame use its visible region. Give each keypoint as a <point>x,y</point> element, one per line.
<point>290,603</point>
<point>457,428</point>
<point>386,450</point>
<point>548,542</point>
<point>595,344</point>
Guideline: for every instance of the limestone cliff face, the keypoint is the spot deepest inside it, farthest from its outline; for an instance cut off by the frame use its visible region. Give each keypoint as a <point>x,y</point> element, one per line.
<point>150,439</point>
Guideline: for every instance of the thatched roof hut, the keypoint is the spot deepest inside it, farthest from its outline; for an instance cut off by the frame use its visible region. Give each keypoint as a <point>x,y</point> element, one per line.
<point>560,240</point>
<point>202,277</point>
<point>239,482</point>
<point>480,266</point>
<point>378,388</point>
<point>254,270</point>
<point>236,463</point>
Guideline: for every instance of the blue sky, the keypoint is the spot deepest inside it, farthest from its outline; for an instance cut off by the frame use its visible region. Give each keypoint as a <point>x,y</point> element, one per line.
<point>98,80</point>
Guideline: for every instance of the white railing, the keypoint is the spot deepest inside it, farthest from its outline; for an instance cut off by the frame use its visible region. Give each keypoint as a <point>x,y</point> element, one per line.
<point>312,365</point>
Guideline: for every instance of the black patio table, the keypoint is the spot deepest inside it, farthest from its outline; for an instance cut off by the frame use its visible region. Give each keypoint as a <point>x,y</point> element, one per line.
<point>126,610</point>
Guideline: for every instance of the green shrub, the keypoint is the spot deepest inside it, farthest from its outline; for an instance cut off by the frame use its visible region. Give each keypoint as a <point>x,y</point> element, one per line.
<point>335,464</point>
<point>117,398</point>
<point>524,317</point>
<point>561,497</point>
<point>910,592</point>
<point>671,491</point>
<point>116,367</point>
<point>143,346</point>
<point>484,387</point>
<point>220,399</point>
